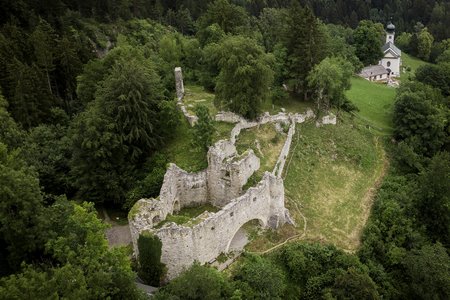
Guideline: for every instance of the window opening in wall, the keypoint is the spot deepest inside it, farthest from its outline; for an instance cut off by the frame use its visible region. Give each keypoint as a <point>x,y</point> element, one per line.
<point>156,219</point>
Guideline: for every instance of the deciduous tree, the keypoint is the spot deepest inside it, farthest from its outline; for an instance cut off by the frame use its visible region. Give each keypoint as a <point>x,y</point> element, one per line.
<point>245,76</point>
<point>368,41</point>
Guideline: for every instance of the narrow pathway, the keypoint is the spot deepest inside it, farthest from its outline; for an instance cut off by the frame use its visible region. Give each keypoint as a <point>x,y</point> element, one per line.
<point>117,235</point>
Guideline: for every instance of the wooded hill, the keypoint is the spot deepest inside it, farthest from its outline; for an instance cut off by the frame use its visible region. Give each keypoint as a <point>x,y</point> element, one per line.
<point>87,113</point>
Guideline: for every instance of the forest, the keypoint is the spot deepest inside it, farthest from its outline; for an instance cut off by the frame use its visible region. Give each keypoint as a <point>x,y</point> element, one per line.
<point>88,115</point>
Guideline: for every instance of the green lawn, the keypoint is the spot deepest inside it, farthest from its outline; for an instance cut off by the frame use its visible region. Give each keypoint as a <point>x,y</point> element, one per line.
<point>411,62</point>
<point>375,102</point>
<point>196,95</point>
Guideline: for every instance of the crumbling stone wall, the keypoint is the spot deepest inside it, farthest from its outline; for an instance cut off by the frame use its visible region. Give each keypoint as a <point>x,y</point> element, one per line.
<point>179,85</point>
<point>228,172</point>
<point>221,185</point>
<point>205,241</point>
<point>279,167</point>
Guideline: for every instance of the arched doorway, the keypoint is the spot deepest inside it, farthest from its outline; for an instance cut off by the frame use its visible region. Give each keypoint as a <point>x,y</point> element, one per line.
<point>242,236</point>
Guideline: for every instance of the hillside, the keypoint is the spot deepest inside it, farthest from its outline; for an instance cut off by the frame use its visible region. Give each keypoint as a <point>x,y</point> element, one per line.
<point>375,102</point>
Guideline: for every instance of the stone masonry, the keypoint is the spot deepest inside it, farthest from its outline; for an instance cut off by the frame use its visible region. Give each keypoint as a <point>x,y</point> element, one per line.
<point>220,184</point>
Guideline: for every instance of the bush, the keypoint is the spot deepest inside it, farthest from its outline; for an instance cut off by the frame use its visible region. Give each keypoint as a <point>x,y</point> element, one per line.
<point>150,267</point>
<point>198,282</point>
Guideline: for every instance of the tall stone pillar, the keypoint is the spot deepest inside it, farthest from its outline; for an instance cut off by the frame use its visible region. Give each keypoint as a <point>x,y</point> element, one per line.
<point>179,83</point>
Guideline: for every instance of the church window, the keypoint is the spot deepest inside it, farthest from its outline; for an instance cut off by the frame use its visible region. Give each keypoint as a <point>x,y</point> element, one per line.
<point>388,63</point>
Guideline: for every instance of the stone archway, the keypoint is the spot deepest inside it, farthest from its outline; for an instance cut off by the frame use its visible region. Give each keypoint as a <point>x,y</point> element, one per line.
<point>240,236</point>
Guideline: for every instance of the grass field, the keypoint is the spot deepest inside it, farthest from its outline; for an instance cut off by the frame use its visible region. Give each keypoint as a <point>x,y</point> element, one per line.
<point>333,169</point>
<point>375,102</point>
<point>196,95</point>
<point>328,183</point>
<point>411,62</point>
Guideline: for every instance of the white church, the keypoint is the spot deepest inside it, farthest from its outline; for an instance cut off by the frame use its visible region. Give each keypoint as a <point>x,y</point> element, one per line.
<point>389,66</point>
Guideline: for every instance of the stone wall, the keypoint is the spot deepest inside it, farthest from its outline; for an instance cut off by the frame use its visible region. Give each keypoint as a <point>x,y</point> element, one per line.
<point>182,189</point>
<point>205,241</point>
<point>228,172</point>
<point>179,85</point>
<point>229,117</point>
<point>279,167</point>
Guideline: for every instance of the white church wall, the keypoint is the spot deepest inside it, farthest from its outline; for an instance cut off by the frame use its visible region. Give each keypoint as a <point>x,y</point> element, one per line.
<point>393,64</point>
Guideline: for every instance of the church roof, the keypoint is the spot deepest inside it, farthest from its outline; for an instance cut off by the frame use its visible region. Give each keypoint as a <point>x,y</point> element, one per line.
<point>391,46</point>
<point>373,71</point>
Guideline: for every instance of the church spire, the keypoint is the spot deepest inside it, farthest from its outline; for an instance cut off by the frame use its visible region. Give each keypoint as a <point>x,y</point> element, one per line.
<point>390,32</point>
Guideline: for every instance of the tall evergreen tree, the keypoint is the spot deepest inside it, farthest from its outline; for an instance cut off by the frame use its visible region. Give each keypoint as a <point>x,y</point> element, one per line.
<point>305,41</point>
<point>118,129</point>
<point>44,43</point>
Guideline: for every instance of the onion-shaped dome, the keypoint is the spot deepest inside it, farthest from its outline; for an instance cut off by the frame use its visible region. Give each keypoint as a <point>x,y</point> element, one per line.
<point>390,27</point>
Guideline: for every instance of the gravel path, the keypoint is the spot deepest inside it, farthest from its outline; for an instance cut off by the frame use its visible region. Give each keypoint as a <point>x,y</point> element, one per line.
<point>118,235</point>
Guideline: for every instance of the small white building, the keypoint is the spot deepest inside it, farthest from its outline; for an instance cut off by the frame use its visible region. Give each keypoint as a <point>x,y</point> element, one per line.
<point>392,60</point>
<point>375,73</point>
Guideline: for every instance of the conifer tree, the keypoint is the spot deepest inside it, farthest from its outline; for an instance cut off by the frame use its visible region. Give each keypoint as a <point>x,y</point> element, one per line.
<point>245,76</point>
<point>43,40</point>
<point>204,127</point>
<point>305,41</point>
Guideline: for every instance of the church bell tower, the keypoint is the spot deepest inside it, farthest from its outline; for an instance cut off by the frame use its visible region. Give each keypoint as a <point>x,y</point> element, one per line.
<point>390,33</point>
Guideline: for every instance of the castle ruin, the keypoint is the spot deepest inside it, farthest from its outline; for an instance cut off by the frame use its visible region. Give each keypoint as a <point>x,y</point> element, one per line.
<point>220,184</point>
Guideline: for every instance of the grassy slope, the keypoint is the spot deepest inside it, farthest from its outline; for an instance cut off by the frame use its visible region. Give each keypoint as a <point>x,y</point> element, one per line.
<point>181,150</point>
<point>329,179</point>
<point>332,169</point>
<point>196,95</point>
<point>412,62</point>
<point>331,172</point>
<point>375,102</point>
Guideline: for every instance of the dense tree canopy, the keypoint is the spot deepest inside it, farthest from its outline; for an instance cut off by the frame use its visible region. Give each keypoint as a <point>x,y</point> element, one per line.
<point>245,76</point>
<point>368,41</point>
<point>87,112</point>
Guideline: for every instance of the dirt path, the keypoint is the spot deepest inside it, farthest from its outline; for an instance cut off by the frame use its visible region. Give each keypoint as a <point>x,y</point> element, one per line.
<point>117,235</point>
